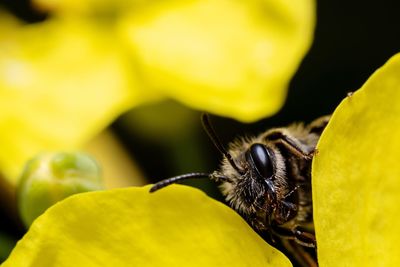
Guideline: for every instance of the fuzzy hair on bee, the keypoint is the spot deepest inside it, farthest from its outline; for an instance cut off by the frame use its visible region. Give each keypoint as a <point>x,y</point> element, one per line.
<point>267,180</point>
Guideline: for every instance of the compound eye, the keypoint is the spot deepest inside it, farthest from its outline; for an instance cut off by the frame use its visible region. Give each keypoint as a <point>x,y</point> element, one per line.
<point>261,160</point>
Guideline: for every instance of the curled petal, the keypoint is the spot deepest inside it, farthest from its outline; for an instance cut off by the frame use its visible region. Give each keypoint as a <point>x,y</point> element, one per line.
<point>356,176</point>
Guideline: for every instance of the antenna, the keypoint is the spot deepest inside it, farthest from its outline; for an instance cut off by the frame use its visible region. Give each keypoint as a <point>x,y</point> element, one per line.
<point>199,175</point>
<point>175,179</point>
<point>205,119</point>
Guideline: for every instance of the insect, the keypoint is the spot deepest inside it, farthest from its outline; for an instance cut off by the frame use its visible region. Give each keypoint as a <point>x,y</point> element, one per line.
<point>267,180</point>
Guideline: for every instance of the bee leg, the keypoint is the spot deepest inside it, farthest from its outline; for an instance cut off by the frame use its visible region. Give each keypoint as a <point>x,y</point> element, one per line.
<point>289,143</point>
<point>301,255</point>
<point>305,238</point>
<point>301,237</point>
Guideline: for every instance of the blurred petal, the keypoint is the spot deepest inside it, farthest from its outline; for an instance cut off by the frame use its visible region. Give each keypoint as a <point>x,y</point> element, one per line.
<point>177,226</point>
<point>233,58</point>
<point>85,8</point>
<point>61,82</point>
<point>356,185</point>
<point>117,165</point>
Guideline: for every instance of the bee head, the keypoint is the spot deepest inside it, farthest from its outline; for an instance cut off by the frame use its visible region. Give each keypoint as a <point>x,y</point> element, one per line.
<point>255,188</point>
<point>247,174</point>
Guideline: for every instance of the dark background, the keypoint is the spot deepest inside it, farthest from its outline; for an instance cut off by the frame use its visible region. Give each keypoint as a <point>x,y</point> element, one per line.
<point>352,39</point>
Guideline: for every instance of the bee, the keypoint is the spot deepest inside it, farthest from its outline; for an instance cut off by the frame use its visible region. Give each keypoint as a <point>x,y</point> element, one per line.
<point>267,180</point>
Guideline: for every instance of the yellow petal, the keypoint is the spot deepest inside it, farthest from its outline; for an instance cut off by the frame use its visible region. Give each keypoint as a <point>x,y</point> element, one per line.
<point>356,176</point>
<point>61,82</point>
<point>177,226</point>
<point>233,58</point>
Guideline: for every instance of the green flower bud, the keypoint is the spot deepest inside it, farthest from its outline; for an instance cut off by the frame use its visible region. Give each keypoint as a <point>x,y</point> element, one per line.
<point>49,178</point>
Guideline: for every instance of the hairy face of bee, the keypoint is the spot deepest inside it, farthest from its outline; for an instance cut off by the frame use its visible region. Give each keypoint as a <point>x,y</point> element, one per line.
<point>260,181</point>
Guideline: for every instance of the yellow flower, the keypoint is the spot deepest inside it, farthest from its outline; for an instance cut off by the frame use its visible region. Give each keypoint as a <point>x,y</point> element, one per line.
<point>65,79</point>
<point>356,191</point>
